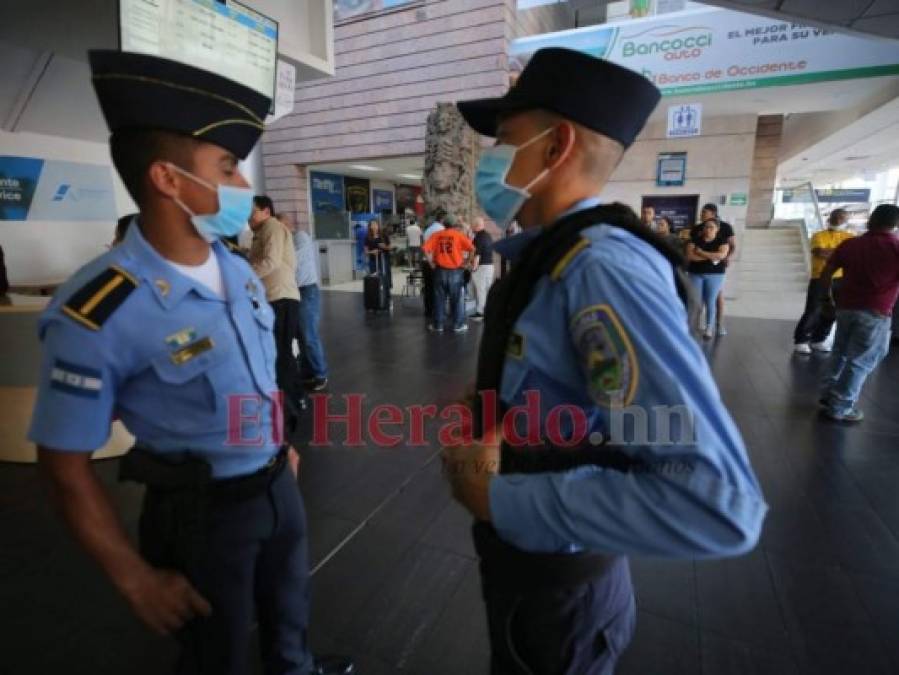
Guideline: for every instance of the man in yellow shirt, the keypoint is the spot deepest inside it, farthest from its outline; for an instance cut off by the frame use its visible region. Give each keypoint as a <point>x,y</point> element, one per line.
<point>814,326</point>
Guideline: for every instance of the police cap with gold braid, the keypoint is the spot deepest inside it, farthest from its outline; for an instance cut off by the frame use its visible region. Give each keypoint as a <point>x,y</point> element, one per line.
<point>138,91</point>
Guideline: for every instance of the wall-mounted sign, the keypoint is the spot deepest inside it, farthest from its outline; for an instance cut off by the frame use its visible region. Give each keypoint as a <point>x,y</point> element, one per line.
<point>738,199</point>
<point>352,9</point>
<point>680,210</point>
<point>830,196</point>
<point>672,169</point>
<point>357,194</point>
<point>285,88</point>
<point>684,120</point>
<point>716,50</point>
<point>382,200</point>
<point>51,190</point>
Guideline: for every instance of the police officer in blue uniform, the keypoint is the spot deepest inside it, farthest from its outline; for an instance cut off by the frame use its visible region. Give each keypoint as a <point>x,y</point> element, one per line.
<point>632,450</point>
<point>171,333</point>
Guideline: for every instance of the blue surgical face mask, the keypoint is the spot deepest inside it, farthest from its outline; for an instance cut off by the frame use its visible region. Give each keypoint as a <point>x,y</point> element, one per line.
<point>502,201</point>
<point>235,206</point>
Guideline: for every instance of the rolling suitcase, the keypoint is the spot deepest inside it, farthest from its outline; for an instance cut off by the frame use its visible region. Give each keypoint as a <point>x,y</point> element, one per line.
<point>375,291</point>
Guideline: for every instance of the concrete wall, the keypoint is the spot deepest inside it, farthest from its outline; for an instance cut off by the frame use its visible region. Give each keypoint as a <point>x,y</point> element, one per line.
<point>718,163</point>
<point>768,136</point>
<point>391,70</point>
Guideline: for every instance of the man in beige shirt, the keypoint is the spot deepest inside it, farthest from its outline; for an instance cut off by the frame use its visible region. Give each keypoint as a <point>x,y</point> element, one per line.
<point>274,261</point>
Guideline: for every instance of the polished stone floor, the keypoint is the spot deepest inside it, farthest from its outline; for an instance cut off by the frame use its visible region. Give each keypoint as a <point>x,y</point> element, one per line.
<point>395,580</point>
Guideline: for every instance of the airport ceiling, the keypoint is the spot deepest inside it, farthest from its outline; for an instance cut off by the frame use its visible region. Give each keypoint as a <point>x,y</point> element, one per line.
<point>866,17</point>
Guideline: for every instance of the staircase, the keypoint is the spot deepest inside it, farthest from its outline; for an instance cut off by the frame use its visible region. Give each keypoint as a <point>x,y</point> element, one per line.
<point>771,275</point>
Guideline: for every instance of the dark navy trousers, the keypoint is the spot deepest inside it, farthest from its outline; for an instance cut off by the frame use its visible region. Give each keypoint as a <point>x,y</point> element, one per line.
<point>580,630</point>
<point>254,568</point>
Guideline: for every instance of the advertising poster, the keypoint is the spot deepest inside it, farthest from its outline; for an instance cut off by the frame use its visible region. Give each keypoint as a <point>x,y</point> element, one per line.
<point>328,205</point>
<point>51,190</point>
<point>358,194</point>
<point>711,50</point>
<point>406,196</point>
<point>681,210</point>
<point>382,200</point>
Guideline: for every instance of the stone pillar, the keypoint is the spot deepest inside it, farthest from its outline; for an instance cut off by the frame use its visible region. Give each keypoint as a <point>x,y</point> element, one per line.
<point>451,155</point>
<point>769,130</point>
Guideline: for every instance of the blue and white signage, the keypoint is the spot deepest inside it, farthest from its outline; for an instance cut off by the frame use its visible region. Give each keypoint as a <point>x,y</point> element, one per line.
<point>684,120</point>
<point>51,190</point>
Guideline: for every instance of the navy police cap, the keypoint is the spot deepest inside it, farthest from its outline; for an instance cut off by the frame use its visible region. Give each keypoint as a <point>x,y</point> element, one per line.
<point>139,91</point>
<point>600,95</point>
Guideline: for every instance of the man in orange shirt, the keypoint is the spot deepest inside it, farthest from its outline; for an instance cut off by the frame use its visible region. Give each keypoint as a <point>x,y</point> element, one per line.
<point>446,251</point>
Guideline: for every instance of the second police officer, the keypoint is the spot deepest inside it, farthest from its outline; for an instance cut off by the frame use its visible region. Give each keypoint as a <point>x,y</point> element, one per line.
<point>593,318</point>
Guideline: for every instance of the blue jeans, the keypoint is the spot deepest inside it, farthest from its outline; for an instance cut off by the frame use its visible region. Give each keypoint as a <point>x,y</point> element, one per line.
<point>448,284</point>
<point>312,354</point>
<point>862,341</point>
<point>708,286</point>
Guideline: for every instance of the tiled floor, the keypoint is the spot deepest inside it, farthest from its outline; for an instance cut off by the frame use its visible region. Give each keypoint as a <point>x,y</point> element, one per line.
<point>396,581</point>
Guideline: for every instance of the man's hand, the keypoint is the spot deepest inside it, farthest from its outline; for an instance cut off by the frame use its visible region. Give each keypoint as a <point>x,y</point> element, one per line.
<point>165,600</point>
<point>469,469</point>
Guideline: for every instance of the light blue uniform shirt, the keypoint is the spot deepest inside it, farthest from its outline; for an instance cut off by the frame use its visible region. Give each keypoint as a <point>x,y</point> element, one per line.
<point>307,259</point>
<point>612,327</point>
<point>431,230</point>
<point>218,404</point>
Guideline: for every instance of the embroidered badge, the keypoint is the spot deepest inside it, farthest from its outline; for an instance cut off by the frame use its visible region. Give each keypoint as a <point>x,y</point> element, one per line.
<point>71,378</point>
<point>607,354</point>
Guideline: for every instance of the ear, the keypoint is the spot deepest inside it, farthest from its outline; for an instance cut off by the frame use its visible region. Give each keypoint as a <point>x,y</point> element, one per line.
<point>562,145</point>
<point>163,180</point>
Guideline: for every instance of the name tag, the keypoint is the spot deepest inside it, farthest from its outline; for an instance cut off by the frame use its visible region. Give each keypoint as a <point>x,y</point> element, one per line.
<point>192,350</point>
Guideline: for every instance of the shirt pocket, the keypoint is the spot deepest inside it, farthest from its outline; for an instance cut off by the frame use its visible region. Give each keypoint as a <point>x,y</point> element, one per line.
<point>192,384</point>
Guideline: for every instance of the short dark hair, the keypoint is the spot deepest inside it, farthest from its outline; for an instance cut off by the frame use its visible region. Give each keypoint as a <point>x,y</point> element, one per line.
<point>134,150</point>
<point>264,202</point>
<point>835,215</point>
<point>710,207</point>
<point>884,217</point>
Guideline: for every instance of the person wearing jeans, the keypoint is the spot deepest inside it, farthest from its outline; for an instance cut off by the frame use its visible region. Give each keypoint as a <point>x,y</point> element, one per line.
<point>446,251</point>
<point>862,342</point>
<point>313,367</point>
<point>870,265</point>
<point>706,254</point>
<point>448,284</point>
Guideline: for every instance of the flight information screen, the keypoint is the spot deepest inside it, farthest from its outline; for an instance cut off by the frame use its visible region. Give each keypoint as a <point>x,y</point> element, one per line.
<point>224,37</point>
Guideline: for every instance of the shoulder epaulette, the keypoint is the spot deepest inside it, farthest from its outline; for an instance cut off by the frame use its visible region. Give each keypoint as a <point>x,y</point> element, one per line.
<point>94,303</point>
<point>569,256</point>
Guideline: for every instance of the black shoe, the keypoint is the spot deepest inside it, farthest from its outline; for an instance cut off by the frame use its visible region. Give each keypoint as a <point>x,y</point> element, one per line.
<point>318,384</point>
<point>333,665</point>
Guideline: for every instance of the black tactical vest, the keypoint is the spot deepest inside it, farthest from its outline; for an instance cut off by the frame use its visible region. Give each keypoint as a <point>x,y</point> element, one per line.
<point>550,251</point>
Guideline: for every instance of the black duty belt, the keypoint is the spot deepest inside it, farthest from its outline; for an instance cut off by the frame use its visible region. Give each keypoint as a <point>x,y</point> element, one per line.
<point>505,566</point>
<point>241,488</point>
<point>192,474</point>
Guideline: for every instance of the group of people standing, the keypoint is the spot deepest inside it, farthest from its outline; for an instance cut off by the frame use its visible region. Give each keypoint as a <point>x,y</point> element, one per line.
<point>710,246</point>
<point>453,255</point>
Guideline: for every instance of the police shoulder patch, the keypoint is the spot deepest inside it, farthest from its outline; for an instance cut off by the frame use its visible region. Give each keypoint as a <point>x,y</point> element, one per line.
<point>95,302</point>
<point>607,354</point>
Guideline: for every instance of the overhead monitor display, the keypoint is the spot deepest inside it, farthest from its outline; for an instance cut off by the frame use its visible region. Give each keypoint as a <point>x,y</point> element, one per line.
<point>221,36</point>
